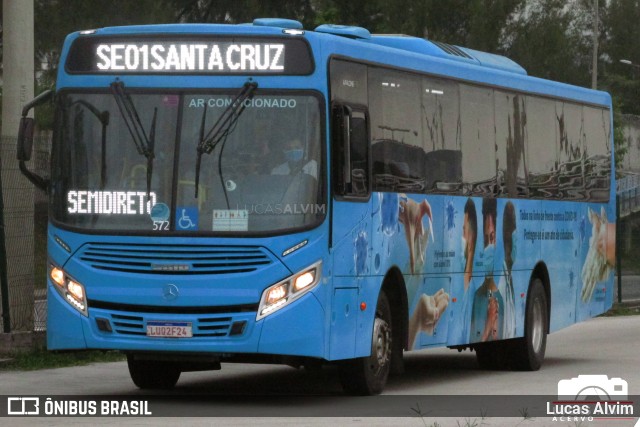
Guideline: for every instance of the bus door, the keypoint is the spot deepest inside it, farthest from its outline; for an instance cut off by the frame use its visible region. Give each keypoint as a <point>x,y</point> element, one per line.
<point>350,223</point>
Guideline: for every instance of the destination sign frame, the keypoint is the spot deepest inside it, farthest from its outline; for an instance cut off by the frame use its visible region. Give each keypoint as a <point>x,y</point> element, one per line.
<point>200,54</point>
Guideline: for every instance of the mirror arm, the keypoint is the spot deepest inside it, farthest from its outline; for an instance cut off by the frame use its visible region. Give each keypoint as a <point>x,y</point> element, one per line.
<point>44,96</point>
<point>37,180</point>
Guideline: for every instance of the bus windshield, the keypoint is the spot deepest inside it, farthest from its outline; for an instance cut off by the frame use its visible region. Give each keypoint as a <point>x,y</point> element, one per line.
<point>134,169</point>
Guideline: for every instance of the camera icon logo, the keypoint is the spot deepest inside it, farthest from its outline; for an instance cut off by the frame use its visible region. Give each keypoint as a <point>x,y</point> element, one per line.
<point>592,387</point>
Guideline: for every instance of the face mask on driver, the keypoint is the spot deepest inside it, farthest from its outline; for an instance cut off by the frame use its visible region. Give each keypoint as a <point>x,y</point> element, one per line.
<point>294,155</point>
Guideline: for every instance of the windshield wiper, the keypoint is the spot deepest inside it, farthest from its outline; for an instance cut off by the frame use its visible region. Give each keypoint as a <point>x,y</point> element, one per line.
<point>223,127</point>
<point>144,144</point>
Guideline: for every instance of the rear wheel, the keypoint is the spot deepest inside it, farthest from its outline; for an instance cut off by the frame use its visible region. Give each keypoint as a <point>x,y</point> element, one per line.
<point>153,374</point>
<point>528,352</point>
<point>368,375</point>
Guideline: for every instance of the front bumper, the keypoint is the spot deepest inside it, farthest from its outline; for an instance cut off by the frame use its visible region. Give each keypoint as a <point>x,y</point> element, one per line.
<point>296,330</point>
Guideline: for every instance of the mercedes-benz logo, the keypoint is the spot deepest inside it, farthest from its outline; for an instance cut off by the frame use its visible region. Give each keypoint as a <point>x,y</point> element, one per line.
<point>170,292</point>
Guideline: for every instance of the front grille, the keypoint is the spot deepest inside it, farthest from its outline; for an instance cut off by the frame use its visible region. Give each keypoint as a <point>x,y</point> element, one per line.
<point>137,308</point>
<point>172,259</point>
<point>205,326</point>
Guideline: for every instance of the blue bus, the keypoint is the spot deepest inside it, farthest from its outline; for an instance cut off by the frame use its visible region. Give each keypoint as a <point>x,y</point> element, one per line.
<point>265,193</point>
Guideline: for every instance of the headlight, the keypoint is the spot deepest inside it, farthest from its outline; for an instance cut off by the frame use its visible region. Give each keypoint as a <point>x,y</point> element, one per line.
<point>288,290</point>
<point>70,290</point>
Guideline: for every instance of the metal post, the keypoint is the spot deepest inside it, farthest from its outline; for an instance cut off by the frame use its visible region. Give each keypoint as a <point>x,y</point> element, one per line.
<point>594,71</point>
<point>4,279</point>
<point>618,255</point>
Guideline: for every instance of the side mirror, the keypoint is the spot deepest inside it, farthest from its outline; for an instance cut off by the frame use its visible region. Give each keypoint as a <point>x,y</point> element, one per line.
<point>25,139</point>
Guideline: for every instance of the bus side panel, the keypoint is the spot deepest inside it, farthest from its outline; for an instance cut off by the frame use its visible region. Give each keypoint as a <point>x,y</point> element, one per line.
<point>558,228</point>
<point>596,278</point>
<point>350,327</point>
<point>344,318</point>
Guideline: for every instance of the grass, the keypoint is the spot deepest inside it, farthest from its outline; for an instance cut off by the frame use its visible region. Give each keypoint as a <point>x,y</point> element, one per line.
<point>622,310</point>
<point>43,359</point>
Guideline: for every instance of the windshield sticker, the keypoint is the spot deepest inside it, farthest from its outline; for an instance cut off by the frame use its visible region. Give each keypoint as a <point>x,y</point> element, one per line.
<point>230,220</point>
<point>171,100</point>
<point>110,202</point>
<point>160,212</point>
<point>187,218</point>
<point>248,103</point>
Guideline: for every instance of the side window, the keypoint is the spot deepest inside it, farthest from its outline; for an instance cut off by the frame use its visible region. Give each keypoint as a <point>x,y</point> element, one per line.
<point>441,129</point>
<point>350,129</point>
<point>570,144</point>
<point>597,151</point>
<point>542,148</point>
<point>359,155</point>
<point>348,82</point>
<point>350,141</point>
<point>478,141</point>
<point>511,126</point>
<point>396,131</point>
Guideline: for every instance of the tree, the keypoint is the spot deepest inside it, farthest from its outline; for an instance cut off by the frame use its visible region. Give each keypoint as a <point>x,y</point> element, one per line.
<point>547,41</point>
<point>54,19</point>
<point>233,11</point>
<point>621,42</point>
<point>471,23</point>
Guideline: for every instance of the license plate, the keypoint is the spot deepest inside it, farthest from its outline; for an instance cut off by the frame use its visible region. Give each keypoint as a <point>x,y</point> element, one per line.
<point>169,329</point>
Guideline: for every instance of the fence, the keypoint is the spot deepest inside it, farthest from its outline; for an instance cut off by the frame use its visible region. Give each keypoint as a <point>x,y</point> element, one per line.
<point>23,222</point>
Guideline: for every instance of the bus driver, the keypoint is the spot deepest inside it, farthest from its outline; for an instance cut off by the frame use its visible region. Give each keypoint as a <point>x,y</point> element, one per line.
<point>294,155</point>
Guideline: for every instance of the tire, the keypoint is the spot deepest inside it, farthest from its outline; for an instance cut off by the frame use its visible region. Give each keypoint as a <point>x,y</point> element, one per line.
<point>367,376</point>
<point>153,374</point>
<point>528,352</point>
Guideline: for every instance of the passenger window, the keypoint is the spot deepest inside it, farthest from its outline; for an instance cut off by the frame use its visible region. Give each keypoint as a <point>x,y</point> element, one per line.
<point>478,141</point>
<point>441,123</point>
<point>597,153</point>
<point>396,131</point>
<point>542,150</point>
<point>511,121</point>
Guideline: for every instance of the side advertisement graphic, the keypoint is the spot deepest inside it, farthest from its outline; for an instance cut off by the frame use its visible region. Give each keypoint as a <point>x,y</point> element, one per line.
<point>467,262</point>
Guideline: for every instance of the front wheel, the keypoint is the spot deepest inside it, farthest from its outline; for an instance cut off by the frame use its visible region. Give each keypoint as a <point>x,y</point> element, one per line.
<point>368,375</point>
<point>529,350</point>
<point>153,374</point>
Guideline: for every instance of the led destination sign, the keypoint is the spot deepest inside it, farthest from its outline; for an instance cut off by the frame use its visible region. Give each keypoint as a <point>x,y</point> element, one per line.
<point>191,56</point>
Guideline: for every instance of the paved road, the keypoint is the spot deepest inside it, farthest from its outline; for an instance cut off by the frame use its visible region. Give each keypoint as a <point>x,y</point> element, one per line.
<point>600,346</point>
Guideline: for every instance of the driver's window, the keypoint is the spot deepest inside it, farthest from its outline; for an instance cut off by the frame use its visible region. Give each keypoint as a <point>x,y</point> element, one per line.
<point>359,154</point>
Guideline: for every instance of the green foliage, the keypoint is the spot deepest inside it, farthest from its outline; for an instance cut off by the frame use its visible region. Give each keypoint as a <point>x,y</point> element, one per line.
<point>545,41</point>
<point>233,11</point>
<point>622,310</point>
<point>54,19</point>
<point>619,142</point>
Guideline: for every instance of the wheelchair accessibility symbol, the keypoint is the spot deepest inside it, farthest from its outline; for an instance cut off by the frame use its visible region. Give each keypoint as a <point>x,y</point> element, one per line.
<point>187,218</point>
